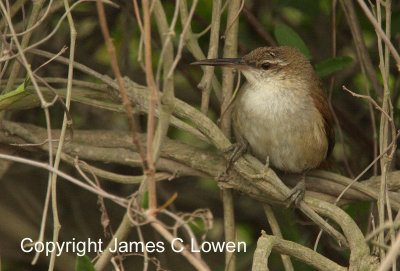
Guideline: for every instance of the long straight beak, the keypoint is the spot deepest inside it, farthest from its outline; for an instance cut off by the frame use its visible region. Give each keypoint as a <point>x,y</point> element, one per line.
<point>237,63</point>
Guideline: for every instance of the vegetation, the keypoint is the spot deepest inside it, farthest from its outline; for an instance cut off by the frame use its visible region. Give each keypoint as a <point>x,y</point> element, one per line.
<point>107,132</point>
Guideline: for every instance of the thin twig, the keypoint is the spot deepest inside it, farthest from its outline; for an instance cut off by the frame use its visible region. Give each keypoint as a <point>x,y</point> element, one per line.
<point>233,20</point>
<point>51,59</point>
<point>36,6</point>
<point>121,87</point>
<point>330,92</point>
<point>369,98</point>
<point>193,46</point>
<point>258,27</point>
<point>56,221</point>
<point>166,103</point>
<point>206,80</point>
<point>122,232</point>
<point>38,23</point>
<point>365,170</point>
<point>380,32</point>
<point>230,50</point>
<point>150,170</point>
<point>45,108</point>
<point>232,98</point>
<point>381,228</point>
<point>391,256</point>
<point>359,43</point>
<point>165,40</point>
<point>182,39</point>
<point>137,13</point>
<point>197,263</point>
<point>273,223</point>
<point>121,201</point>
<point>54,31</point>
<point>384,134</point>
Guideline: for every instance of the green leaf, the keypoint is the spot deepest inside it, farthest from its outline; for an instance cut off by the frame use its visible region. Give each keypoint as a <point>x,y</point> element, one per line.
<point>285,36</point>
<point>15,95</point>
<point>83,263</point>
<point>332,65</point>
<point>145,200</point>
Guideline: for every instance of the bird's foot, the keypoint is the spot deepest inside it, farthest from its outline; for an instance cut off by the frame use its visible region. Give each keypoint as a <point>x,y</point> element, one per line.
<point>223,180</point>
<point>297,193</point>
<point>238,149</point>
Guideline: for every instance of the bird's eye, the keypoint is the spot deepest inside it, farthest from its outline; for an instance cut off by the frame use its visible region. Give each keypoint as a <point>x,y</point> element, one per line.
<point>266,65</point>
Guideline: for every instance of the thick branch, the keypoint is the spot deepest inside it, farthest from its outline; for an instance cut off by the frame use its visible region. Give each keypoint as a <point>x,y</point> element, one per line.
<point>116,147</point>
<point>267,243</point>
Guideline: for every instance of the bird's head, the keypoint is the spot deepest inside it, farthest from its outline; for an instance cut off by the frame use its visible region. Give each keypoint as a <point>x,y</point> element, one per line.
<point>266,63</point>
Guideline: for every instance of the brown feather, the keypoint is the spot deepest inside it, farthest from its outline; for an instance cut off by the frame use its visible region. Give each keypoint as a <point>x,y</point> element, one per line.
<point>321,103</point>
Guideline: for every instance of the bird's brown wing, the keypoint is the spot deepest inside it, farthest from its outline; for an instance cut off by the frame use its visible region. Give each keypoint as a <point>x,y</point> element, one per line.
<point>321,103</point>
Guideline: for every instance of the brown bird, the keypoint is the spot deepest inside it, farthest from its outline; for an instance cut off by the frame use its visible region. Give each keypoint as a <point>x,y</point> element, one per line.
<point>281,112</point>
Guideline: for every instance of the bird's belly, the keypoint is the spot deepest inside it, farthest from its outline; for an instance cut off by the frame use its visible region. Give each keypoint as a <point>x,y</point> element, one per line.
<point>293,138</point>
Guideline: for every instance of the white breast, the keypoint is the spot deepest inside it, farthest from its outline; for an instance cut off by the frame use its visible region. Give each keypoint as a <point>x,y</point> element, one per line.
<point>282,124</point>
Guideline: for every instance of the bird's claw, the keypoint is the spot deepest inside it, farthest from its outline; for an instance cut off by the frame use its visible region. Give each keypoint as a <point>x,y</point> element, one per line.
<point>238,149</point>
<point>296,194</point>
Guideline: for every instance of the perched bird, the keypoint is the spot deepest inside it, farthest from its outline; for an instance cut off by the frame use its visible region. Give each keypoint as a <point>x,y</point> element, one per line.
<point>281,112</point>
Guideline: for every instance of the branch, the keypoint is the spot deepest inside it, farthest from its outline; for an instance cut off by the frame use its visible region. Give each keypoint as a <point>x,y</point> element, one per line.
<point>122,232</point>
<point>273,223</point>
<point>166,106</point>
<point>193,45</point>
<point>359,43</point>
<point>212,165</point>
<point>258,27</point>
<point>206,80</point>
<point>267,243</point>
<point>230,50</point>
<point>115,147</point>
<point>150,170</point>
<point>114,64</point>
<point>360,258</point>
<point>380,32</point>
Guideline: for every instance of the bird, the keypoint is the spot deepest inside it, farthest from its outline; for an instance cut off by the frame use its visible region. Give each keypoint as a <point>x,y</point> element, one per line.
<point>281,112</point>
